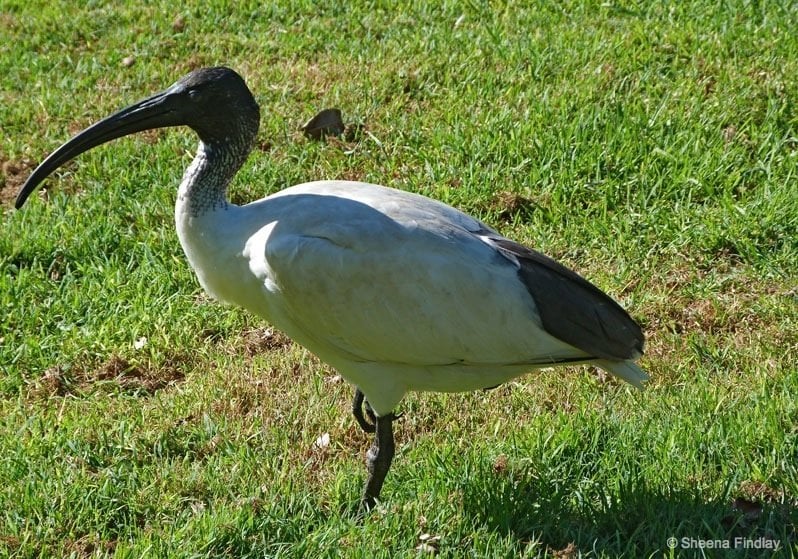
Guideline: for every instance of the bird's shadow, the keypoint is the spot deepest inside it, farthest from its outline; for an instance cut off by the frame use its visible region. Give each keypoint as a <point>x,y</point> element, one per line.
<point>634,520</point>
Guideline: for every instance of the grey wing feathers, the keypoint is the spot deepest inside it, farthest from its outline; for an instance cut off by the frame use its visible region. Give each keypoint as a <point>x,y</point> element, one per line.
<point>573,309</point>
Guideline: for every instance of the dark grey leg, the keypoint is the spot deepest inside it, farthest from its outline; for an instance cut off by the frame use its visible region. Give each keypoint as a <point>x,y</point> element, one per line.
<point>378,460</point>
<point>357,411</point>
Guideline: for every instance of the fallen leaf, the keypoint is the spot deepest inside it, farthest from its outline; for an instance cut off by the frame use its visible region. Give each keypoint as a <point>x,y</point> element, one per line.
<point>328,122</point>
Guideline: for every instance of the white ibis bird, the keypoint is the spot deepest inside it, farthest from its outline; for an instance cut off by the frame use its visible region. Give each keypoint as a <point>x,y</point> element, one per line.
<point>398,292</point>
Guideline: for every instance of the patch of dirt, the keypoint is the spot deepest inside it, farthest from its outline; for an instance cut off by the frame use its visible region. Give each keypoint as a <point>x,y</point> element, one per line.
<point>90,547</point>
<point>179,23</point>
<point>192,63</point>
<point>245,395</point>
<point>508,204</point>
<point>500,464</point>
<point>115,373</point>
<point>10,542</point>
<point>55,382</point>
<point>135,378</point>
<point>706,299</point>
<point>260,340</point>
<point>10,22</point>
<point>151,137</point>
<point>14,173</point>
<point>696,315</point>
<point>259,392</point>
<point>730,306</point>
<point>758,491</point>
<point>567,552</point>
<point>353,175</point>
<point>250,342</point>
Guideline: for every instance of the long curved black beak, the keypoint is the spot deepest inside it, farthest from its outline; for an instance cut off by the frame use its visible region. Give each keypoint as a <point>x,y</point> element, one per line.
<point>160,110</point>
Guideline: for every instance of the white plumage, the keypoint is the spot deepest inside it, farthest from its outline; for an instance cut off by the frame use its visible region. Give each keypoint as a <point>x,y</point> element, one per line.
<point>395,290</point>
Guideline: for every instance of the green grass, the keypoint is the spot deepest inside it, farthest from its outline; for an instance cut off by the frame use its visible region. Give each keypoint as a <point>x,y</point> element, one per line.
<point>652,146</point>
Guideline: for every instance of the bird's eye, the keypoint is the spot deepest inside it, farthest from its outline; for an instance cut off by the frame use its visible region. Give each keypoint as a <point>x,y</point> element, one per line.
<point>194,94</point>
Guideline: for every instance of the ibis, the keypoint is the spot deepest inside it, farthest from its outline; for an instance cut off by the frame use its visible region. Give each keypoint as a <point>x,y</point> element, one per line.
<point>396,291</point>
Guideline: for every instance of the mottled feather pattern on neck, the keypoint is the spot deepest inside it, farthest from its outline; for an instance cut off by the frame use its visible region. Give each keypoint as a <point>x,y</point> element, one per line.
<point>204,185</point>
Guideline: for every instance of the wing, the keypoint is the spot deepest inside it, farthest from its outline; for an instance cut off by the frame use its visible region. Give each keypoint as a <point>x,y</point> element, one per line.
<point>382,275</point>
<point>377,274</point>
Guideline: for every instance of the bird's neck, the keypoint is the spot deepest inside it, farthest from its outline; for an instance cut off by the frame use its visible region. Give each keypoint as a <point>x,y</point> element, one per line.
<point>204,185</point>
<point>206,221</point>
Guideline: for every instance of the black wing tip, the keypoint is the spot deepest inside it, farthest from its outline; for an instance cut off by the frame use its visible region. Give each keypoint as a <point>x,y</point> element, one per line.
<point>572,309</point>
<point>633,337</point>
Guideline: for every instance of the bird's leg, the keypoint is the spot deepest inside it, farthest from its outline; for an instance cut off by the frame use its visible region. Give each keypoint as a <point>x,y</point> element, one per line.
<point>378,460</point>
<point>357,411</point>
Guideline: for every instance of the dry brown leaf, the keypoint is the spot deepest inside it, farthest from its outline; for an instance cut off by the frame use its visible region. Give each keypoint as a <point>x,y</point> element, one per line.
<point>327,122</point>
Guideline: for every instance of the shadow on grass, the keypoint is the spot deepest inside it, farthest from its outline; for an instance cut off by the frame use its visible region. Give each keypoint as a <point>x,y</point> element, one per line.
<point>633,520</point>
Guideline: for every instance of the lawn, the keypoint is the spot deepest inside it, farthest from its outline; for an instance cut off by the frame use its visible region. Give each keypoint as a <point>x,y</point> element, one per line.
<point>651,146</point>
